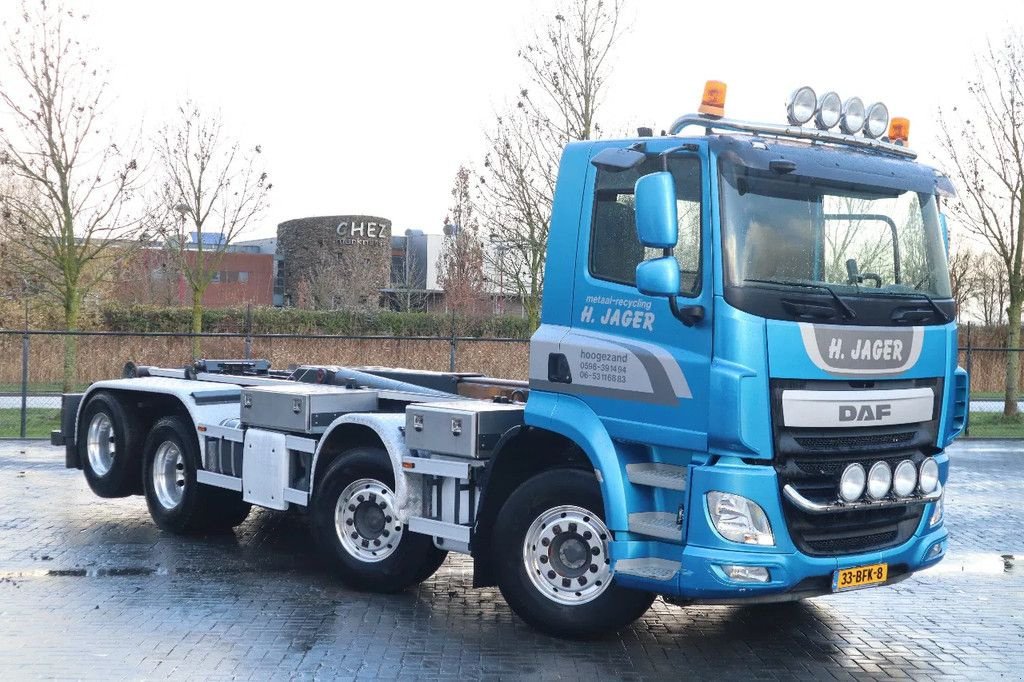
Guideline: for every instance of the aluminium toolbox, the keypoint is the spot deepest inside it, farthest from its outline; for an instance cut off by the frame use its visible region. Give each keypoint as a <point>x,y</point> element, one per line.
<point>464,428</point>
<point>302,408</point>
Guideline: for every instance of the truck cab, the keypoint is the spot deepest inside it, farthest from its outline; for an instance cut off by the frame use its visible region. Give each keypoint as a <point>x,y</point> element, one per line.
<point>750,332</point>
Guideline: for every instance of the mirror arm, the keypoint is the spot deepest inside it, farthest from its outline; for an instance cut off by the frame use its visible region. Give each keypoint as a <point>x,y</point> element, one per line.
<point>688,314</point>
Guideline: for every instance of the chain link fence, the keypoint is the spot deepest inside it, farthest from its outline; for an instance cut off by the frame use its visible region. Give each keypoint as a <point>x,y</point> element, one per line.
<point>32,363</point>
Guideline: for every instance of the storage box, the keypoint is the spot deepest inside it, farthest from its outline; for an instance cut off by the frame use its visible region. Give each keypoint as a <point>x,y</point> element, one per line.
<point>464,428</point>
<point>302,408</point>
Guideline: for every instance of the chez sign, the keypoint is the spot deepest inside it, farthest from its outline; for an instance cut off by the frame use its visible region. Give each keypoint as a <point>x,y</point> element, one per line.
<point>362,229</point>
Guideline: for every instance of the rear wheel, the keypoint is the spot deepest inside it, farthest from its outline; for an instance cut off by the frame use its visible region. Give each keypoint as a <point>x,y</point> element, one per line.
<point>553,568</point>
<point>355,518</point>
<point>177,501</point>
<point>109,444</point>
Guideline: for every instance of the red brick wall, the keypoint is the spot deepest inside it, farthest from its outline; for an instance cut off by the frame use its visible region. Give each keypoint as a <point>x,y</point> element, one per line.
<point>138,285</point>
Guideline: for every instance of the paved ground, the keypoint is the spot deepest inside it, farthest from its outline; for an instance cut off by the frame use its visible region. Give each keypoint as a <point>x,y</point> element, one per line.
<point>91,589</point>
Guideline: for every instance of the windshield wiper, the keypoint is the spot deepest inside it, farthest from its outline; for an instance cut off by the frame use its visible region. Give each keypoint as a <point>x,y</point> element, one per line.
<point>846,310</point>
<point>931,301</point>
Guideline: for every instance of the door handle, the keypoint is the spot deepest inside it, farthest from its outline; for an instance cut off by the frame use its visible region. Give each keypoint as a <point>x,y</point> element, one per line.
<point>558,369</point>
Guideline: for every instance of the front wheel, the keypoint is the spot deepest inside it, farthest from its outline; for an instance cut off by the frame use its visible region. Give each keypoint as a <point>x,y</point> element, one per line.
<point>355,518</point>
<point>553,567</point>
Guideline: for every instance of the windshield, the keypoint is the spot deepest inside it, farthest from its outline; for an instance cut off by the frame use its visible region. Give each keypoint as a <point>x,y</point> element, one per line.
<point>788,229</point>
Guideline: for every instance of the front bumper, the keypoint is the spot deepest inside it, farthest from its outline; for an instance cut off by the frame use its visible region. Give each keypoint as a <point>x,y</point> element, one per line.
<point>792,573</point>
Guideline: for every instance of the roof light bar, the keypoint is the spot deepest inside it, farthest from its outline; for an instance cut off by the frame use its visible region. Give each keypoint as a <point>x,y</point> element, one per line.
<point>830,110</point>
<point>877,120</point>
<point>801,106</point>
<point>853,116</point>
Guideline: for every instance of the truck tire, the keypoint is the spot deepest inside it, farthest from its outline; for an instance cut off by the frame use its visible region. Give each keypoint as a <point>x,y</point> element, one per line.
<point>109,444</point>
<point>354,518</point>
<point>551,558</point>
<point>177,502</point>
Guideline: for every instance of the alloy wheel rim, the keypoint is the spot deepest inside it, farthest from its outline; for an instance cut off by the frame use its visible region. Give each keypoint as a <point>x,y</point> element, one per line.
<point>565,554</point>
<point>100,444</point>
<point>169,474</point>
<point>366,520</point>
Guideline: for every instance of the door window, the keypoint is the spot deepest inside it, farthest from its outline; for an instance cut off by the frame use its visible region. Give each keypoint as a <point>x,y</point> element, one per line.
<point>615,249</point>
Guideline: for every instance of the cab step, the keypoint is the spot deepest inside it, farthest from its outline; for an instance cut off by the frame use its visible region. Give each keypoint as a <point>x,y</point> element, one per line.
<point>648,567</point>
<point>657,475</point>
<point>656,525</point>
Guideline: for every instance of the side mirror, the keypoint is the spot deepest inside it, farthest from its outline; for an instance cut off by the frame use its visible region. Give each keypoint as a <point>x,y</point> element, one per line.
<point>944,226</point>
<point>658,277</point>
<point>657,221</point>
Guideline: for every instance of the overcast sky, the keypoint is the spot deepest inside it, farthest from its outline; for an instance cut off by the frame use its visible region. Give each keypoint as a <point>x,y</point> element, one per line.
<point>370,107</point>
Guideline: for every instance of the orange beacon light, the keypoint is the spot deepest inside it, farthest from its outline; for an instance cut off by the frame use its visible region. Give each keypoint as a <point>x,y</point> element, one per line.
<point>712,104</point>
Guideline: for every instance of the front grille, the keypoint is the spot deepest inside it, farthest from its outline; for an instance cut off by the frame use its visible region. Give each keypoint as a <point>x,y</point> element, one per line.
<point>832,469</point>
<point>813,459</point>
<point>852,545</point>
<point>843,442</point>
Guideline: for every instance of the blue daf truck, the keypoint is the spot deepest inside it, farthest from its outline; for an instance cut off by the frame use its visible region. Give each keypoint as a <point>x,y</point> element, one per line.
<point>741,391</point>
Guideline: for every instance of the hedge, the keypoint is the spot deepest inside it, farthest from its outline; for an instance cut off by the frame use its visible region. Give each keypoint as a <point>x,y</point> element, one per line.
<point>139,318</point>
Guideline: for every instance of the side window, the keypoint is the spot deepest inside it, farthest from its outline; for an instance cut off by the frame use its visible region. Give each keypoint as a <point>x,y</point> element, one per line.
<point>615,250</point>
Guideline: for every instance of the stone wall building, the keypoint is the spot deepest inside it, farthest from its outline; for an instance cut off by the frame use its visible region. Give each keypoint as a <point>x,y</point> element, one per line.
<point>331,262</point>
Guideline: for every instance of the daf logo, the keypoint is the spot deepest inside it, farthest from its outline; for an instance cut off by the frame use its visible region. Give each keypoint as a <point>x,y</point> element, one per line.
<point>864,413</point>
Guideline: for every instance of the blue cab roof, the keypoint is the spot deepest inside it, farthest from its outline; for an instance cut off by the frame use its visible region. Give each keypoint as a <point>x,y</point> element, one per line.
<point>828,162</point>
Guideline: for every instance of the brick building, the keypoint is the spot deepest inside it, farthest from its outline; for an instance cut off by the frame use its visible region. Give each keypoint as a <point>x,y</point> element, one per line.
<point>152,277</point>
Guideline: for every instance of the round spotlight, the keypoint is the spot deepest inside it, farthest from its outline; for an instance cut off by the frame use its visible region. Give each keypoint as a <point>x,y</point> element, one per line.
<point>904,480</point>
<point>879,480</point>
<point>851,484</point>
<point>876,121</point>
<point>830,109</point>
<point>929,475</point>
<point>852,120</point>
<point>801,106</point>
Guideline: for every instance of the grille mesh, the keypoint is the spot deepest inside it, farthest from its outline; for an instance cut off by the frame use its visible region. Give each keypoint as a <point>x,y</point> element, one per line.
<point>832,469</point>
<point>845,442</point>
<point>847,545</point>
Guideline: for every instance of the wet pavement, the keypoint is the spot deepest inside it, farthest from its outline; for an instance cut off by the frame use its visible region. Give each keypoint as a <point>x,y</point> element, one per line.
<point>89,588</point>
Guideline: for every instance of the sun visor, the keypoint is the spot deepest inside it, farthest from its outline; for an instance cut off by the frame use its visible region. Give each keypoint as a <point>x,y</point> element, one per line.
<point>843,167</point>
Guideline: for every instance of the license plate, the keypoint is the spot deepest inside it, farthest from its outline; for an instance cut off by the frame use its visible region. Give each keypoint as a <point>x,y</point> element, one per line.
<point>860,576</point>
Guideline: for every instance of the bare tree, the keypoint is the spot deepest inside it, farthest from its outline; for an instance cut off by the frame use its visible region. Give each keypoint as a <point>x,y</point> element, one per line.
<point>461,263</point>
<point>567,63</point>
<point>963,277</point>
<point>992,289</point>
<point>78,180</point>
<point>342,281</point>
<point>409,296</point>
<point>212,189</point>
<point>984,146</point>
<point>409,285</point>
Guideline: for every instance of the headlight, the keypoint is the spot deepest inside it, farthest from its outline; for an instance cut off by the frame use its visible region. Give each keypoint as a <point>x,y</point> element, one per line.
<point>937,512</point>
<point>801,106</point>
<point>830,109</point>
<point>853,116</point>
<point>879,480</point>
<point>851,485</point>
<point>877,121</point>
<point>929,476</point>
<point>905,478</point>
<point>738,519</point>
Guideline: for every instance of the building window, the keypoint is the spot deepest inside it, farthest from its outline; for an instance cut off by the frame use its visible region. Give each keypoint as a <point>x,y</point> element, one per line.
<point>243,277</point>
